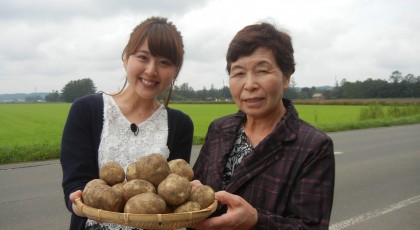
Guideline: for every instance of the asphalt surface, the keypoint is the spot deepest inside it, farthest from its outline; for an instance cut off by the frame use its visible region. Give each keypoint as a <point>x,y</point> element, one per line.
<point>377,184</point>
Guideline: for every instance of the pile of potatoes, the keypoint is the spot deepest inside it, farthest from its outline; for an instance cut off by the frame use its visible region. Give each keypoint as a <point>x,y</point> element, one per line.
<point>150,185</point>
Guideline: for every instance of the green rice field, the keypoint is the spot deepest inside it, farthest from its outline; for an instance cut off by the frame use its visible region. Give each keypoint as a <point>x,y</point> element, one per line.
<point>33,131</point>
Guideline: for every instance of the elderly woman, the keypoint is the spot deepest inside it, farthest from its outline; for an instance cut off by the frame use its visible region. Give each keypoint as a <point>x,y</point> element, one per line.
<point>271,169</point>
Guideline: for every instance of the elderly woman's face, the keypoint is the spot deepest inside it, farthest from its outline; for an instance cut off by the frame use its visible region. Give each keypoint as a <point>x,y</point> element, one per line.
<point>257,83</point>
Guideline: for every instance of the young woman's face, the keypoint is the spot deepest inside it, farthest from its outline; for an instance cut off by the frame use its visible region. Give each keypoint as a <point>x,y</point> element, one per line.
<point>257,83</point>
<point>149,75</point>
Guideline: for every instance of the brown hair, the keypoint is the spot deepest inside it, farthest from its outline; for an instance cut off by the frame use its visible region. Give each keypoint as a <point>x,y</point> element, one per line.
<point>251,37</point>
<point>163,39</point>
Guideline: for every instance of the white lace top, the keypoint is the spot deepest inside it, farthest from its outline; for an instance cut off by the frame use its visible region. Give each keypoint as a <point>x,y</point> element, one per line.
<point>118,142</point>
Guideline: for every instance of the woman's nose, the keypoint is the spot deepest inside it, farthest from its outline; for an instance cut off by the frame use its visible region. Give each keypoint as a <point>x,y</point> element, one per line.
<point>250,81</point>
<point>151,68</point>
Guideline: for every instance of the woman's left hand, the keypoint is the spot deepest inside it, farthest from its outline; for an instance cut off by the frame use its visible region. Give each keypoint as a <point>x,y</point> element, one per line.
<point>240,214</point>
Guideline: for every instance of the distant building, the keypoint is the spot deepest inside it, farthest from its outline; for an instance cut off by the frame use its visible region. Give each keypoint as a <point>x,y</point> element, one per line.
<point>318,96</point>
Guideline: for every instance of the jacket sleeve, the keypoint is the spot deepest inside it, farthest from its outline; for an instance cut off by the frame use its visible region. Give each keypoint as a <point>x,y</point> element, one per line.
<point>78,149</point>
<point>180,137</point>
<point>310,202</point>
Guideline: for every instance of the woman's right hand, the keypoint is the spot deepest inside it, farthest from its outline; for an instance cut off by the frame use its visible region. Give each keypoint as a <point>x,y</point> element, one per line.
<point>195,183</point>
<point>73,196</point>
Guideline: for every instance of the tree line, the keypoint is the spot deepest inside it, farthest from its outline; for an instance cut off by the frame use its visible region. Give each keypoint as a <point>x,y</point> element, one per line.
<point>397,86</point>
<point>72,90</point>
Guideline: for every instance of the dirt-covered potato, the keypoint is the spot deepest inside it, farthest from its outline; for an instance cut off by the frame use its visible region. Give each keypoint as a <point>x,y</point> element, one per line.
<point>145,203</point>
<point>119,188</point>
<point>95,182</point>
<point>130,172</point>
<point>112,173</point>
<point>182,168</point>
<point>204,195</point>
<point>103,197</point>
<point>153,168</point>
<point>188,206</point>
<point>89,186</point>
<point>174,189</point>
<point>135,187</point>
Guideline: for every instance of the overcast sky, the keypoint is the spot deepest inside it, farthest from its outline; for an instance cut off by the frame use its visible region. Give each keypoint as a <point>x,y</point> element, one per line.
<point>44,44</point>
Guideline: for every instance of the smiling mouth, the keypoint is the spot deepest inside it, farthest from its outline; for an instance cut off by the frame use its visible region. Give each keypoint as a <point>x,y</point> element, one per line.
<point>148,83</point>
<point>251,100</point>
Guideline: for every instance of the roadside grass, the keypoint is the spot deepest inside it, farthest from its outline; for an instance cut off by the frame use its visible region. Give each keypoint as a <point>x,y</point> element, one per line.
<point>30,132</point>
<point>203,114</point>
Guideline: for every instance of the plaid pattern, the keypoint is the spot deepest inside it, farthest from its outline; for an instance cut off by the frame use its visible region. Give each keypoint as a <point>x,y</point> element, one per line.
<point>288,178</point>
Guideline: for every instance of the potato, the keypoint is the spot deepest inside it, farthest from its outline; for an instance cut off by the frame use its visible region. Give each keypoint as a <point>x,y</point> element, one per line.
<point>188,206</point>
<point>174,189</point>
<point>103,197</point>
<point>119,188</point>
<point>145,203</point>
<point>89,187</point>
<point>131,173</point>
<point>112,173</point>
<point>95,182</point>
<point>204,195</point>
<point>153,168</point>
<point>182,168</point>
<point>135,187</point>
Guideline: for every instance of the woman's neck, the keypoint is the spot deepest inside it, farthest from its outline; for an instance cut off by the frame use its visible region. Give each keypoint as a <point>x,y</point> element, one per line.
<point>257,128</point>
<point>134,108</point>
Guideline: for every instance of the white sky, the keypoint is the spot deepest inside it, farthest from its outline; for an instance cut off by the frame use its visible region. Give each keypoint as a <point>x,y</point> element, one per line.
<point>44,44</point>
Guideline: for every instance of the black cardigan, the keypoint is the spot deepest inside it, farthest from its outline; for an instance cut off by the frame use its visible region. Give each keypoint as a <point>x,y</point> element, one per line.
<point>82,136</point>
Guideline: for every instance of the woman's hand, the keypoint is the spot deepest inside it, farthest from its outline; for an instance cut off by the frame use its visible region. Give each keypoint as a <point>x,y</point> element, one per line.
<point>240,214</point>
<point>195,183</point>
<point>73,196</point>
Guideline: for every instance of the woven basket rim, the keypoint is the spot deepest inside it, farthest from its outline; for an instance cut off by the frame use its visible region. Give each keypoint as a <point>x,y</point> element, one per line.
<point>154,221</point>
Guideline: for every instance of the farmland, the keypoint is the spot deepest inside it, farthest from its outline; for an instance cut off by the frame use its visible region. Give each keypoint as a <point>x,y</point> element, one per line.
<point>33,131</point>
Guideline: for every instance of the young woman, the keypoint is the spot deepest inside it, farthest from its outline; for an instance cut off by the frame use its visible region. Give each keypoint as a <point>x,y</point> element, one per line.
<point>131,123</point>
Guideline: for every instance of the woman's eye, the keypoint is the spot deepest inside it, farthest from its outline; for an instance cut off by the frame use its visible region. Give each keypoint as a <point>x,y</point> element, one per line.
<point>238,74</point>
<point>263,72</point>
<point>142,57</point>
<point>166,62</point>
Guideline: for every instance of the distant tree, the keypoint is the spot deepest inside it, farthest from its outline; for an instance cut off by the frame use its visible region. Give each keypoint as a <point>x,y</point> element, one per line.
<point>395,77</point>
<point>306,93</point>
<point>409,86</point>
<point>202,94</point>
<point>77,88</point>
<point>292,92</point>
<point>183,92</point>
<point>225,93</point>
<point>337,91</point>
<point>54,96</point>
<point>213,92</point>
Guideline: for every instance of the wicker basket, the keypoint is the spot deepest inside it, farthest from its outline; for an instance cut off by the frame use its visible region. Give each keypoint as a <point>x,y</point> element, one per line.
<point>147,221</point>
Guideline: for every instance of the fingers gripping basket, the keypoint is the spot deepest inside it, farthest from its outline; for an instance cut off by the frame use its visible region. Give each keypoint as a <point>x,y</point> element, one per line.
<point>147,221</point>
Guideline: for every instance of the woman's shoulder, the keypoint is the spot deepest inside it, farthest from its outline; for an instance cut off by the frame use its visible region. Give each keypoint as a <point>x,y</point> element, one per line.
<point>177,114</point>
<point>91,102</point>
<point>89,99</point>
<point>228,122</point>
<point>308,130</point>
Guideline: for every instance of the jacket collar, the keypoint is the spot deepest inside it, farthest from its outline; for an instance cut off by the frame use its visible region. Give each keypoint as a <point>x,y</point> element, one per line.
<point>285,131</point>
<point>268,150</point>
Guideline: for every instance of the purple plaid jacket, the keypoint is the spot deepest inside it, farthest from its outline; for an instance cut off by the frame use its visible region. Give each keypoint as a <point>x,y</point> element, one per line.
<point>288,178</point>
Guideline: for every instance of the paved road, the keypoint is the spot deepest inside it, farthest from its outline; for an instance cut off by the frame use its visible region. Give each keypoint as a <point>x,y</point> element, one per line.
<point>377,184</point>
